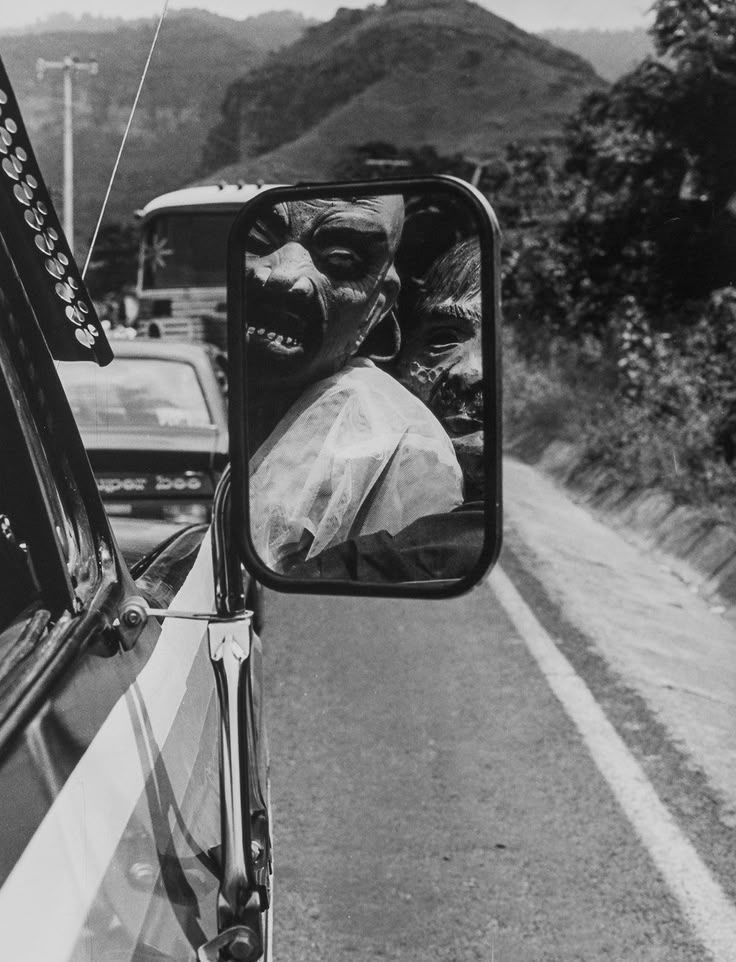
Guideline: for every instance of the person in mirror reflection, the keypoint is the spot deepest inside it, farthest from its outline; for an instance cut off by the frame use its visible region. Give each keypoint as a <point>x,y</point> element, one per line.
<point>341,448</point>
<point>440,362</point>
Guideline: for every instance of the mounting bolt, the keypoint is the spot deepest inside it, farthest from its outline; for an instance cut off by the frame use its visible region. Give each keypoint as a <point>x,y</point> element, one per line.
<point>245,946</point>
<point>133,613</point>
<point>132,618</point>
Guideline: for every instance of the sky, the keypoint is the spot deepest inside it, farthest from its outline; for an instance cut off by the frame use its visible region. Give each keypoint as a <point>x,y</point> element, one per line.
<point>531,15</point>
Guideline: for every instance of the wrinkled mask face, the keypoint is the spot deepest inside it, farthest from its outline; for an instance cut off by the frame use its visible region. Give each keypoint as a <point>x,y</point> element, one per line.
<point>319,277</point>
<point>441,363</point>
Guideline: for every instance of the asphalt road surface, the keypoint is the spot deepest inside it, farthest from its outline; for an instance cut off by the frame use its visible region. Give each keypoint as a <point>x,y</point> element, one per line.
<point>502,777</point>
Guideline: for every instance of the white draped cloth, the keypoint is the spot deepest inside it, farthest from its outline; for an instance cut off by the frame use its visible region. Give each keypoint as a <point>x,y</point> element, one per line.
<point>357,453</point>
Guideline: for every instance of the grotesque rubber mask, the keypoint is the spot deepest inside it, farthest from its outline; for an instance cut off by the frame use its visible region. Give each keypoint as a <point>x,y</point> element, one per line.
<point>440,359</point>
<point>319,277</point>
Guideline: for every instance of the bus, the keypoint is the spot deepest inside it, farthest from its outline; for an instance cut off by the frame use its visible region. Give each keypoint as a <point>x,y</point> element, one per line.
<point>180,288</point>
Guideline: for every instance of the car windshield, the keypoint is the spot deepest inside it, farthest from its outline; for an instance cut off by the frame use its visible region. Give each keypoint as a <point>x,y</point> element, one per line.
<point>136,393</point>
<point>186,249</point>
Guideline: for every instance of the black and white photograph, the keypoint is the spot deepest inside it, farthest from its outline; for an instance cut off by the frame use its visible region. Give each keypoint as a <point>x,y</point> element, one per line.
<point>368,481</point>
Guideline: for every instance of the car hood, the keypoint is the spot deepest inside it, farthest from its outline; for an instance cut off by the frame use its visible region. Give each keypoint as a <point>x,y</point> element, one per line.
<point>135,438</point>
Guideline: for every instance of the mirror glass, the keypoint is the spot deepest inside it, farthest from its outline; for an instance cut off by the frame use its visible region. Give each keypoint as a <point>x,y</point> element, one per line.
<point>367,332</point>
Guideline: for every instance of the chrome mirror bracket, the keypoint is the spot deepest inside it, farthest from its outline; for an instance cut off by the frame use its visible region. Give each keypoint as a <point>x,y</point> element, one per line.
<point>240,898</point>
<point>239,943</point>
<point>229,649</point>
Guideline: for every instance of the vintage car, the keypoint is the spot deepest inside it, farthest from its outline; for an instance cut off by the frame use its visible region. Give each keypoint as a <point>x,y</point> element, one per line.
<point>154,426</point>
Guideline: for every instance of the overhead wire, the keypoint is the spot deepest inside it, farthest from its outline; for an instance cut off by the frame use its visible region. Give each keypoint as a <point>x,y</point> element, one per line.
<point>125,137</point>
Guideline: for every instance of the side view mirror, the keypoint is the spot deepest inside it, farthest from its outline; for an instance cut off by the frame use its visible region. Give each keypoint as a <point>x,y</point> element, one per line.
<point>365,421</point>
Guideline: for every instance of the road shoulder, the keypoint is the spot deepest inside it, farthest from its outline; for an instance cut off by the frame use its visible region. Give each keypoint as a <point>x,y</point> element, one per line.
<point>660,637</point>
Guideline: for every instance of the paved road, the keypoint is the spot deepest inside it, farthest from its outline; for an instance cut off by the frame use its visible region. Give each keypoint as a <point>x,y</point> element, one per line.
<point>440,793</point>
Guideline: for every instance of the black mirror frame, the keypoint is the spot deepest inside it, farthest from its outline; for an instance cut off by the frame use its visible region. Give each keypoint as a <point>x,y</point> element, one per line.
<point>489,238</point>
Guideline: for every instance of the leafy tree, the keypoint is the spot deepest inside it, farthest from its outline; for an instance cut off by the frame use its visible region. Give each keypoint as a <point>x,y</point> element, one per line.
<point>639,260</point>
<point>648,186</point>
<point>699,38</point>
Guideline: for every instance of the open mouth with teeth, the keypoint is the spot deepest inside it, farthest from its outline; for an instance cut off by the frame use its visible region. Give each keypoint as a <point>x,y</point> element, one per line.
<point>279,341</point>
<point>273,341</point>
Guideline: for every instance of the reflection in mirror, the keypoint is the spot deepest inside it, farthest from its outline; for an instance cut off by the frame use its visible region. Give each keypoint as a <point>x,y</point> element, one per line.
<point>364,376</point>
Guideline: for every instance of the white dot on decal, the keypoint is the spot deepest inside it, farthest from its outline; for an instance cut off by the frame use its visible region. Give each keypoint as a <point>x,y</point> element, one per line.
<point>64,293</point>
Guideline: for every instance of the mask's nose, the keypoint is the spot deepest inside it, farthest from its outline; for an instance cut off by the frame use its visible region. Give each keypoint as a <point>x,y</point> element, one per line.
<point>287,270</point>
<point>466,373</point>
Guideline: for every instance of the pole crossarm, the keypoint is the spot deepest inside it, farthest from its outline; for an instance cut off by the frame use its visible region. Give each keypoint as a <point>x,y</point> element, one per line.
<point>70,62</point>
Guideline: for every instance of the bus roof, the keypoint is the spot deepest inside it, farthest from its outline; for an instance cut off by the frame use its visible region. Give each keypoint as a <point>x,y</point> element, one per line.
<point>211,195</point>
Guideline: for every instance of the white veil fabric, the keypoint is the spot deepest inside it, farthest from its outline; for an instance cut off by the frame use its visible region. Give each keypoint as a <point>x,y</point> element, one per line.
<point>356,454</point>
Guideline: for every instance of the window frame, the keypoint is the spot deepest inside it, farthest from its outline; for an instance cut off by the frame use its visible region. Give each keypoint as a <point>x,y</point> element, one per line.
<point>72,553</point>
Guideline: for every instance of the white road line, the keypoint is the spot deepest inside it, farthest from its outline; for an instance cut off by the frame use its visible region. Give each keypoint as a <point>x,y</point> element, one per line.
<point>702,900</point>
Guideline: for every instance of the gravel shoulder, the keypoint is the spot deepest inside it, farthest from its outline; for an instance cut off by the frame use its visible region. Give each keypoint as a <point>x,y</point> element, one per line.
<point>659,635</point>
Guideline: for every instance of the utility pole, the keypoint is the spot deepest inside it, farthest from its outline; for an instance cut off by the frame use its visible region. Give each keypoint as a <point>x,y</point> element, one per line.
<point>69,65</point>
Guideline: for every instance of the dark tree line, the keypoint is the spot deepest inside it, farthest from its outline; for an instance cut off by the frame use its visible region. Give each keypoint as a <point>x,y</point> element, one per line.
<point>647,185</point>
<point>633,263</point>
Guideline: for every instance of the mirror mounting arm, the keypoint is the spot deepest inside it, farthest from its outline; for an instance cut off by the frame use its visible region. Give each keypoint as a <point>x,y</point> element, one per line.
<point>229,648</point>
<point>241,900</point>
<point>229,593</point>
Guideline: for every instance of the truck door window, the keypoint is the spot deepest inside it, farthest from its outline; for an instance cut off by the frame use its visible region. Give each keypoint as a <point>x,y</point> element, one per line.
<point>19,586</point>
<point>47,550</point>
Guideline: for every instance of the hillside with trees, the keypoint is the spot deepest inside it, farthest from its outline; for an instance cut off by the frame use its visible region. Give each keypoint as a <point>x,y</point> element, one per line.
<point>267,31</point>
<point>446,73</point>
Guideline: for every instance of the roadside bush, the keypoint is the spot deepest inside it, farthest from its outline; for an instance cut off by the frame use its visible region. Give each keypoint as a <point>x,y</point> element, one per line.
<point>673,424</point>
<point>618,285</point>
<point>546,400</point>
<point>657,408</point>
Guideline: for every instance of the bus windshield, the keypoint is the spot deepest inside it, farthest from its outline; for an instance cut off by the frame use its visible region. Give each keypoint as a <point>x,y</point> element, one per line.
<point>186,249</point>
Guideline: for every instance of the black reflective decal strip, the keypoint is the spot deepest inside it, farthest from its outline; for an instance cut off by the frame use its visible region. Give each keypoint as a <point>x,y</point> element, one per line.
<point>72,327</point>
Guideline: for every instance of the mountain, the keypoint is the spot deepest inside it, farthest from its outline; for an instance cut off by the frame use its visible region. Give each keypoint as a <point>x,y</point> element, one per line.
<point>447,73</point>
<point>277,28</point>
<point>266,31</point>
<point>58,22</point>
<point>611,52</point>
<point>194,61</point>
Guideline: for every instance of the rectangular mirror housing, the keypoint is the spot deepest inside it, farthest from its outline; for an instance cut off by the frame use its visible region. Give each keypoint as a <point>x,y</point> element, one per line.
<point>365,394</point>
